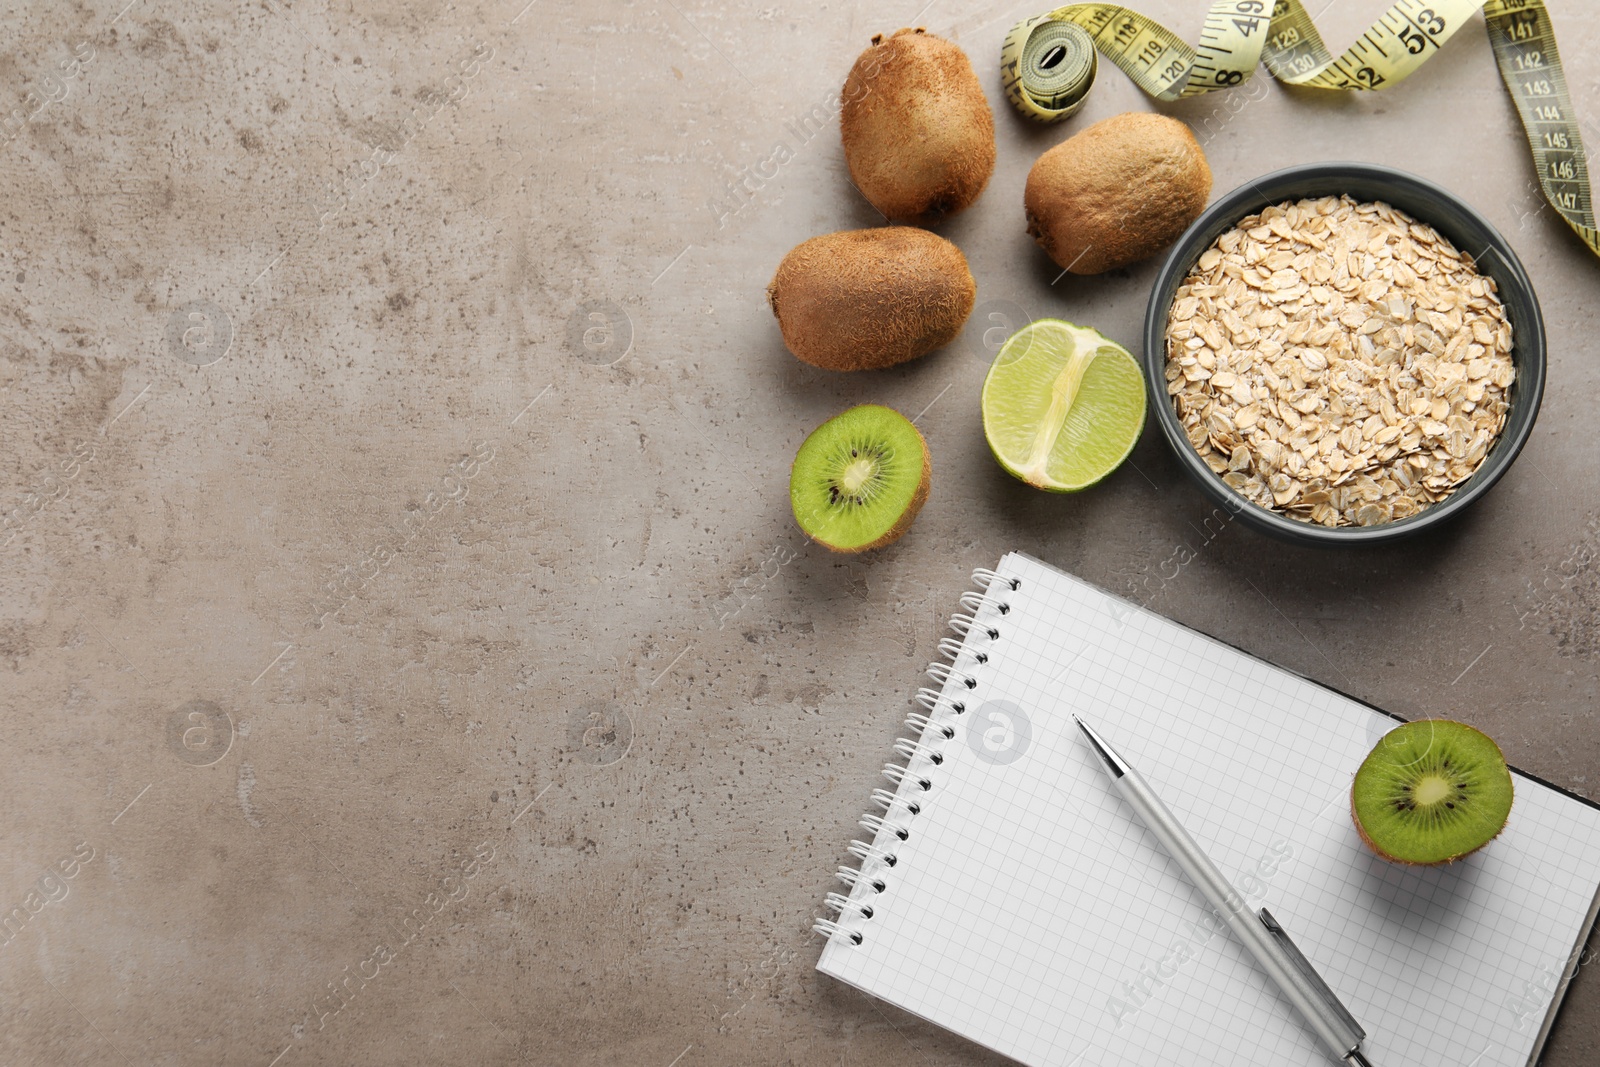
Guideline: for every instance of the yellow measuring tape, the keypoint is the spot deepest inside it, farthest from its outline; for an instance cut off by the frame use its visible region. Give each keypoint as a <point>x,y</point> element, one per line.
<point>1046,75</point>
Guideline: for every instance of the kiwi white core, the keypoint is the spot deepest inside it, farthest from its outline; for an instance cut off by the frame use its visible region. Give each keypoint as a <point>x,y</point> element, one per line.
<point>1432,790</point>
<point>858,474</point>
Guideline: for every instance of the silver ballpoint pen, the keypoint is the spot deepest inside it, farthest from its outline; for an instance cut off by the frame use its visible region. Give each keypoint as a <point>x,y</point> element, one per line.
<point>1336,1029</point>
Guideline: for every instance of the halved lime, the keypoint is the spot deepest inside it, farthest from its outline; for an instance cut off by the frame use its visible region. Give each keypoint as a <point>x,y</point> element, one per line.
<point>1063,405</point>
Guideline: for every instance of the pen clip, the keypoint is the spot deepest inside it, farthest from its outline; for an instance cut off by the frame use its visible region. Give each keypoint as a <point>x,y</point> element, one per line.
<point>1335,1005</point>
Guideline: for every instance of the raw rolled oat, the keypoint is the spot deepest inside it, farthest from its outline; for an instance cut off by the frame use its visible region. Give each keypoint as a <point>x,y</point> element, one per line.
<point>1339,362</point>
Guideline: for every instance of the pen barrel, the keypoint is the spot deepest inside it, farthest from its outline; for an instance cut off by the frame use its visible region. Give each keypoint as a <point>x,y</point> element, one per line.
<point>1333,1031</point>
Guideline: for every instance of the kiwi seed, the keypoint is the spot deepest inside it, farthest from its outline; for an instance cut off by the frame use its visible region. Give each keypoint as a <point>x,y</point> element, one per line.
<point>859,479</point>
<point>1432,791</point>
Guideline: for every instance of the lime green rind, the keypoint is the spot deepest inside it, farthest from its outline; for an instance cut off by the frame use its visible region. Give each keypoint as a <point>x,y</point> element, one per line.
<point>1416,749</point>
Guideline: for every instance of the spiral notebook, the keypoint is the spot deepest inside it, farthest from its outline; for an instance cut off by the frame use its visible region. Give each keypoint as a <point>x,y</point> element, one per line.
<point>1007,893</point>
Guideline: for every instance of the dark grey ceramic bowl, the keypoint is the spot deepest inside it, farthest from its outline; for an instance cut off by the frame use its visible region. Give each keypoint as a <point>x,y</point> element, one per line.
<point>1444,211</point>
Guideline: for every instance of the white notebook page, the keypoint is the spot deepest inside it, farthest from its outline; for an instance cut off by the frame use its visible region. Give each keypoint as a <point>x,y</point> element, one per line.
<point>1029,911</point>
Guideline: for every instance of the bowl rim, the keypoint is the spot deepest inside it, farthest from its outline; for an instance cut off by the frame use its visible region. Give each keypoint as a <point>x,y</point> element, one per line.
<point>1528,345</point>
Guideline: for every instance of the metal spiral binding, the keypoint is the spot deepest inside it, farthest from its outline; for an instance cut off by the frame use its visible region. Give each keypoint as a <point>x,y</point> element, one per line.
<point>830,929</point>
<point>943,672</point>
<point>912,749</point>
<point>887,800</point>
<point>974,602</point>
<point>963,624</point>
<point>877,824</point>
<point>865,852</point>
<point>987,578</point>
<point>932,698</point>
<point>949,646</point>
<point>976,625</point>
<point>852,877</point>
<point>841,904</point>
<point>922,722</point>
<point>897,774</point>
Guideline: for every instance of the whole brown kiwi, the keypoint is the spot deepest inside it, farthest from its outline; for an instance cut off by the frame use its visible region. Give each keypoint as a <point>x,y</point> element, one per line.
<point>1116,192</point>
<point>867,299</point>
<point>918,133</point>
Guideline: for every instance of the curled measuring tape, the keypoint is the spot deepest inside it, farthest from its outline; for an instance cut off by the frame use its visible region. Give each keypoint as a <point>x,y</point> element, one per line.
<point>1045,80</point>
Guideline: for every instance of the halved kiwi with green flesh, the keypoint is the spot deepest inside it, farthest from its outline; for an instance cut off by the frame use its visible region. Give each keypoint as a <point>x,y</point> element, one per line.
<point>1432,791</point>
<point>859,479</point>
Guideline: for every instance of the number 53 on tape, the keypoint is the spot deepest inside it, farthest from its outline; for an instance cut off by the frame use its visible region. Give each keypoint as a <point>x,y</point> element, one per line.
<point>1046,76</point>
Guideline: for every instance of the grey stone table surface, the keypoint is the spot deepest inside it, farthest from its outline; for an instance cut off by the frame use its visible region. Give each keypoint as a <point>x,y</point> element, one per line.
<point>406,643</point>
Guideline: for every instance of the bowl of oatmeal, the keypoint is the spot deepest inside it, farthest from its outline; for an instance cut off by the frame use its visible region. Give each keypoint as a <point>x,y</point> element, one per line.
<point>1344,353</point>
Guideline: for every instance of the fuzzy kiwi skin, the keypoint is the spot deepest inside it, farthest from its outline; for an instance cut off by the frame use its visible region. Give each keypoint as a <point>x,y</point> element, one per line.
<point>895,532</point>
<point>868,299</point>
<point>918,132</point>
<point>1116,192</point>
<point>1378,850</point>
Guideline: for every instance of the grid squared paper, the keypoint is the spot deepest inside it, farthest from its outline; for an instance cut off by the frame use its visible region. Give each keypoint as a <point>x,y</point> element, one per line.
<point>1029,911</point>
